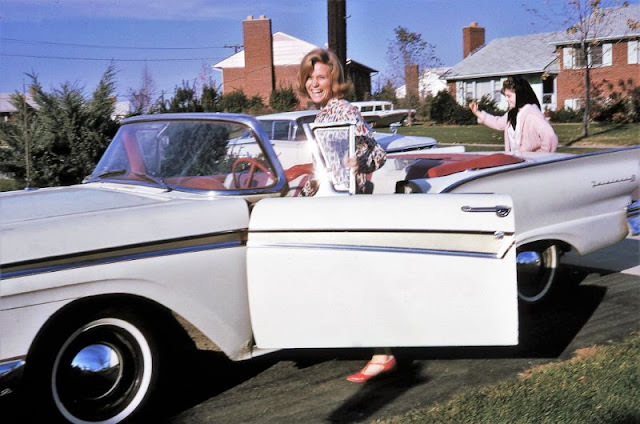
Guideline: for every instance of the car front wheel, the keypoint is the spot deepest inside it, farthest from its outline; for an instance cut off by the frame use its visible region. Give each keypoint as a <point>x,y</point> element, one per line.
<point>537,266</point>
<point>99,370</point>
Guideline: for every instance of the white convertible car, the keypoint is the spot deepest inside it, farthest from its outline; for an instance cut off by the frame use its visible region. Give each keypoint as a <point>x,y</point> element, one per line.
<point>180,226</point>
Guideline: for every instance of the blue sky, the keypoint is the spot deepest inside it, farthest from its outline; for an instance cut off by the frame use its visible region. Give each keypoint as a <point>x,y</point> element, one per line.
<point>178,40</point>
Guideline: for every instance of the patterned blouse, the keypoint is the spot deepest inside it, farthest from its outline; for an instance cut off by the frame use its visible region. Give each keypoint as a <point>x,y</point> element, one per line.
<point>369,154</point>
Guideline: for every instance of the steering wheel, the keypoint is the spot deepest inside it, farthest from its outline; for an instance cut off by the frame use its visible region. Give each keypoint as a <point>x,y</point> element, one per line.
<point>253,164</point>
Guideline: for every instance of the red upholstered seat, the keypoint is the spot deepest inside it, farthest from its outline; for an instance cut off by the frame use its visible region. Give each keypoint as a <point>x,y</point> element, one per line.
<point>204,182</point>
<point>452,166</point>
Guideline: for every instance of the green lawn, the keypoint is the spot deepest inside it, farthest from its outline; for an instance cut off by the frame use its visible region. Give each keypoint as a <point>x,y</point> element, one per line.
<point>601,135</point>
<point>600,385</point>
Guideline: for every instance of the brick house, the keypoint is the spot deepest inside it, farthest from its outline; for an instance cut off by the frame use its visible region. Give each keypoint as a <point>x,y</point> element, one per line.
<point>550,62</point>
<point>269,61</point>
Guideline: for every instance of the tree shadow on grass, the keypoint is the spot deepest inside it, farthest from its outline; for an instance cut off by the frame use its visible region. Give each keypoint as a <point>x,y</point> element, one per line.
<point>592,133</point>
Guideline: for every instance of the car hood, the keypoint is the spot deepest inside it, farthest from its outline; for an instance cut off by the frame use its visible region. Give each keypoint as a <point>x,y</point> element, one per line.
<point>398,143</point>
<point>65,220</point>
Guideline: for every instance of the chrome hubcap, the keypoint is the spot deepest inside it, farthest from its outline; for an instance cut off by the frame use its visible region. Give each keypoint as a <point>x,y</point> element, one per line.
<point>536,270</point>
<point>96,370</point>
<point>102,372</point>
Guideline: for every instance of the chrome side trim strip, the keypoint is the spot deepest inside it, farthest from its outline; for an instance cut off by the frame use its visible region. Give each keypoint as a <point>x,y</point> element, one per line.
<point>388,249</point>
<point>477,244</point>
<point>11,371</point>
<point>222,240</point>
<point>9,365</point>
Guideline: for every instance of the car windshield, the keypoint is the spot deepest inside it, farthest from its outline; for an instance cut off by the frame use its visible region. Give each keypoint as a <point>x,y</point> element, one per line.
<point>186,154</point>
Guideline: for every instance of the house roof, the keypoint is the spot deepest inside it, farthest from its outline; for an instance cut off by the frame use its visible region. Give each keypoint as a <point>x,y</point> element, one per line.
<point>353,64</point>
<point>7,107</point>
<point>287,50</point>
<point>523,54</point>
<point>535,53</point>
<point>614,26</point>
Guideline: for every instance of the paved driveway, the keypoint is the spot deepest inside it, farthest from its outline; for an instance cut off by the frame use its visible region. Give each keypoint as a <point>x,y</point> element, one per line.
<point>309,386</point>
<point>290,387</point>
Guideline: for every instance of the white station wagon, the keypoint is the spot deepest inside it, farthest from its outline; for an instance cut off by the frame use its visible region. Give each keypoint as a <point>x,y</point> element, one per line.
<point>188,222</point>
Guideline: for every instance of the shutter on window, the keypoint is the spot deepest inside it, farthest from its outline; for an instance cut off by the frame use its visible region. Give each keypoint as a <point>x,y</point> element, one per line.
<point>632,51</point>
<point>606,54</point>
<point>567,57</point>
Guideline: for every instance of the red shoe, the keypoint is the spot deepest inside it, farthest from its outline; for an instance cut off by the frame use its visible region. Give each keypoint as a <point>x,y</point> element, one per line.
<point>361,377</point>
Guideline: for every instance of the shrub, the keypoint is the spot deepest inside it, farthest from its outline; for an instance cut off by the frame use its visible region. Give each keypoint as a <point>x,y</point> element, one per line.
<point>445,110</point>
<point>255,106</point>
<point>633,105</point>
<point>283,99</point>
<point>489,104</point>
<point>234,102</point>
<point>387,92</point>
<point>463,116</point>
<point>443,107</point>
<point>612,111</point>
<point>566,115</point>
<point>209,98</point>
<point>8,184</point>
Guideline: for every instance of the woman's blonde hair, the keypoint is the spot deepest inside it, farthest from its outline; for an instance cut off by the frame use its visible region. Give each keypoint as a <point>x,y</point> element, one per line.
<point>339,86</point>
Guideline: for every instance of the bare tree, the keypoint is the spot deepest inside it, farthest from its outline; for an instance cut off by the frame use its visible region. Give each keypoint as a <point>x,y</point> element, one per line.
<point>586,22</point>
<point>591,20</point>
<point>408,48</point>
<point>141,100</point>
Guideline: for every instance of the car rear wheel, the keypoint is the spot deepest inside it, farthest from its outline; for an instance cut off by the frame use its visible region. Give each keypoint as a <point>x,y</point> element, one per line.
<point>537,266</point>
<point>102,369</point>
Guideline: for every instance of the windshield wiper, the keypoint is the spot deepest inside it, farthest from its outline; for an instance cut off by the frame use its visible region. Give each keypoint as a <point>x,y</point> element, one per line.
<point>106,174</point>
<point>151,178</point>
<point>140,175</point>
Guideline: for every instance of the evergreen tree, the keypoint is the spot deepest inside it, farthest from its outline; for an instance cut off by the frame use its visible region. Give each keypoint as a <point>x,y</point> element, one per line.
<point>63,136</point>
<point>185,100</point>
<point>283,99</point>
<point>234,102</point>
<point>210,98</point>
<point>19,137</point>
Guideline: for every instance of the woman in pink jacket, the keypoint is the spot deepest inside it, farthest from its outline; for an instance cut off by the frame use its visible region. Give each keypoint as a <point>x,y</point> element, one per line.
<point>525,127</point>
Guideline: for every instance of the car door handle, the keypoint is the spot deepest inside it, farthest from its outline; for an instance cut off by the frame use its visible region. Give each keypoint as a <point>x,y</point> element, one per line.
<point>499,210</point>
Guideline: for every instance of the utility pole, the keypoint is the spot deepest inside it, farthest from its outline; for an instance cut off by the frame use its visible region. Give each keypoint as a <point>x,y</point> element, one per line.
<point>26,137</point>
<point>235,47</point>
<point>337,24</point>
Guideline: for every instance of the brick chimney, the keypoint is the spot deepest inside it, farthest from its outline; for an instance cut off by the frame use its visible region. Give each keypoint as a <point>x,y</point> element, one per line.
<point>258,57</point>
<point>472,38</point>
<point>411,80</point>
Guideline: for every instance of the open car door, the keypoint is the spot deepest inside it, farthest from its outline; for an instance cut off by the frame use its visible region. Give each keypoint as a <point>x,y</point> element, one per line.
<point>387,270</point>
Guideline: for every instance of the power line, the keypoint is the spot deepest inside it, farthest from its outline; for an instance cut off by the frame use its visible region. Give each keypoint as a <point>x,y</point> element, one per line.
<point>104,46</point>
<point>109,59</point>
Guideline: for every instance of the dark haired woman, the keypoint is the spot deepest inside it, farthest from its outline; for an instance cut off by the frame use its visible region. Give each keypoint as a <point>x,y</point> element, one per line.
<point>321,79</point>
<point>525,127</point>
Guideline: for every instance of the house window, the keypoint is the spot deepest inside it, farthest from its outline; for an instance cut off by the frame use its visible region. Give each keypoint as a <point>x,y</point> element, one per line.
<point>573,104</point>
<point>633,52</point>
<point>597,55</point>
<point>579,60</point>
<point>547,90</point>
